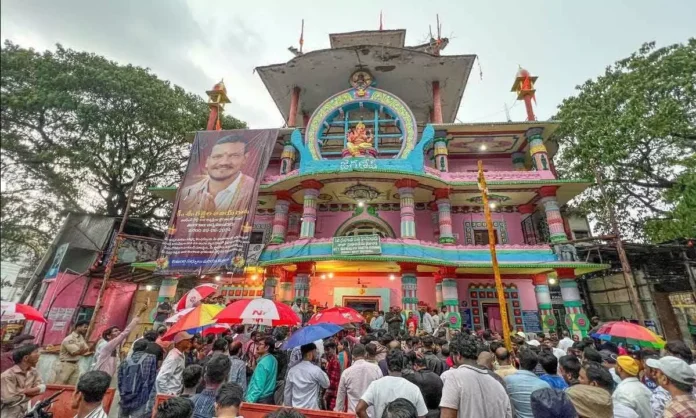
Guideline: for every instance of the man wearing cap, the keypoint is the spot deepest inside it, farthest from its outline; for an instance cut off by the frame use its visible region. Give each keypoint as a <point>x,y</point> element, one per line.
<point>609,363</point>
<point>631,392</point>
<point>170,377</point>
<point>676,377</point>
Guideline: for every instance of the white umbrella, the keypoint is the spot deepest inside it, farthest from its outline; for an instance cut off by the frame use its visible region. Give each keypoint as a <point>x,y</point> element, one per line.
<point>174,318</point>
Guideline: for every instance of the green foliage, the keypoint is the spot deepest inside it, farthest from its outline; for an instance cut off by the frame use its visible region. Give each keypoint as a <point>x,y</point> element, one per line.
<point>77,129</point>
<point>636,125</point>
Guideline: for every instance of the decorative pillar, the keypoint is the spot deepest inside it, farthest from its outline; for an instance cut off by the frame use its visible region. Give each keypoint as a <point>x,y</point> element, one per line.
<point>575,320</point>
<point>409,287</point>
<point>450,297</point>
<point>444,216</point>
<point>438,290</point>
<point>537,149</point>
<point>437,103</point>
<point>518,161</point>
<point>440,151</point>
<point>294,101</point>
<point>294,217</point>
<point>280,219</point>
<point>309,213</point>
<point>434,217</point>
<point>553,214</point>
<point>287,158</point>
<point>408,219</point>
<point>305,119</point>
<point>543,297</point>
<point>286,288</point>
<point>269,286</point>
<point>217,97</point>
<point>304,270</point>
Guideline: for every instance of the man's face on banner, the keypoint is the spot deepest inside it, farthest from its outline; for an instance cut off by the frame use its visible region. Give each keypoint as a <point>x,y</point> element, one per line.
<point>225,161</point>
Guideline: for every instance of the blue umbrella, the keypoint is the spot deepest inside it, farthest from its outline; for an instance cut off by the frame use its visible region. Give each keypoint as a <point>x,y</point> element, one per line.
<point>310,334</point>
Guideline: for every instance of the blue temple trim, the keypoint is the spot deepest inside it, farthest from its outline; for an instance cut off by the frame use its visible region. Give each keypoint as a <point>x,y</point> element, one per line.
<point>431,254</point>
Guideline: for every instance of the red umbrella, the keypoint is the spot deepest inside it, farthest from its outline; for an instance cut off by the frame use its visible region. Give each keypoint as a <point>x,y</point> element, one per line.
<point>337,315</point>
<point>215,329</point>
<point>258,311</point>
<point>195,295</point>
<point>17,311</point>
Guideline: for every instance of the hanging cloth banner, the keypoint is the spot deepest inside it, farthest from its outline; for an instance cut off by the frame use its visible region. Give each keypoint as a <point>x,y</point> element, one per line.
<point>213,214</point>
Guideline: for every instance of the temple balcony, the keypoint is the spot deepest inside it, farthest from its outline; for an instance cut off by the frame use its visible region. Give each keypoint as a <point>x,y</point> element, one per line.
<point>473,259</point>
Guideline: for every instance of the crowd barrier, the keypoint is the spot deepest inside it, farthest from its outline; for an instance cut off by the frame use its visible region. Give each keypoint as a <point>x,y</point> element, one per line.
<point>62,405</point>
<point>257,410</point>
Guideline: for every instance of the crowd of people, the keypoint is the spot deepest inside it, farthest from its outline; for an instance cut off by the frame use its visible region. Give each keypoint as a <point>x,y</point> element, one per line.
<point>383,368</point>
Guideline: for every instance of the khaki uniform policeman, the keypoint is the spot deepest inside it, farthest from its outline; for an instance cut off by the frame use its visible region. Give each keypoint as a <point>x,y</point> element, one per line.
<point>71,350</point>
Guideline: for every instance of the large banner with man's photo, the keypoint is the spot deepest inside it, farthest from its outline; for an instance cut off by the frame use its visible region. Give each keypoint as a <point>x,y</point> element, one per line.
<point>214,210</point>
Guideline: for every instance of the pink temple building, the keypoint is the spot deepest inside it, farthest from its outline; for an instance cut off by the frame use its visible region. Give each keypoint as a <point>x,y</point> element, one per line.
<point>371,200</point>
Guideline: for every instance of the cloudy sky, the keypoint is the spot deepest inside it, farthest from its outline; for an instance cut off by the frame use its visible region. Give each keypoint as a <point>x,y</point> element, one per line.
<point>195,43</point>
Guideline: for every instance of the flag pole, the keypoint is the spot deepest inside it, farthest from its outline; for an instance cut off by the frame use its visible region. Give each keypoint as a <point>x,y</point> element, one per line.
<point>112,258</point>
<point>494,259</point>
<point>302,36</point>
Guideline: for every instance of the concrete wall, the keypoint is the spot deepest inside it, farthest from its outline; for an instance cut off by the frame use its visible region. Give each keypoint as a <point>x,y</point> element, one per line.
<point>611,301</point>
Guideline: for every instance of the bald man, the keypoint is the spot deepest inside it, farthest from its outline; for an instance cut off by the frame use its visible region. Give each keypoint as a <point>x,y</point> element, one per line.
<point>505,367</point>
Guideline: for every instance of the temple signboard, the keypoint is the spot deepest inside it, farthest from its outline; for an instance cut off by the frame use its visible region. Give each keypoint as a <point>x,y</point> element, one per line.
<point>356,245</point>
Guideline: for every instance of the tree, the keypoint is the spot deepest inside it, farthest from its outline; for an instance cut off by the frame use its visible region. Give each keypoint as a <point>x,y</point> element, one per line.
<point>636,126</point>
<point>77,129</point>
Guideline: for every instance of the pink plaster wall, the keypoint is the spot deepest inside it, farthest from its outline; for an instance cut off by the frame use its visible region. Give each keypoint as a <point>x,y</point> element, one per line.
<point>524,286</point>
<point>489,164</point>
<point>328,222</point>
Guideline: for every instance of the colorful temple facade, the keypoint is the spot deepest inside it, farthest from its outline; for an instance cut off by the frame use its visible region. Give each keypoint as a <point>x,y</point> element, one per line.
<point>371,199</point>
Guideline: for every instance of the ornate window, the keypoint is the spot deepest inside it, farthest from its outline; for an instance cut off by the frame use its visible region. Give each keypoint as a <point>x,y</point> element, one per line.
<point>367,228</point>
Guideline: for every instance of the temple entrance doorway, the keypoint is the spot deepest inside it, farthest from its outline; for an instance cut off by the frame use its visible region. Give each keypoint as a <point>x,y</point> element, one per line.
<point>491,314</point>
<point>362,304</point>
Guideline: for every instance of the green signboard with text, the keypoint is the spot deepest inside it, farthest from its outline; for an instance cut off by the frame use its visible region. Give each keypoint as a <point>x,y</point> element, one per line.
<point>356,245</point>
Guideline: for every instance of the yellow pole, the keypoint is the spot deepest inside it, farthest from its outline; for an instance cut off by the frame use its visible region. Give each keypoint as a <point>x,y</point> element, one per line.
<point>494,259</point>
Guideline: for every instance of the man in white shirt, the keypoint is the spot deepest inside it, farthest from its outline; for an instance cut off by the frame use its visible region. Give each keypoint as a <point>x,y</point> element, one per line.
<point>436,319</point>
<point>469,391</point>
<point>355,381</point>
<point>631,392</point>
<point>383,391</point>
<point>169,379</point>
<point>565,343</point>
<point>305,380</point>
<point>427,322</point>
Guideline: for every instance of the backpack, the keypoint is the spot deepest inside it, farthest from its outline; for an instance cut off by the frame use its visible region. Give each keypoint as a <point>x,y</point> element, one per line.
<point>129,387</point>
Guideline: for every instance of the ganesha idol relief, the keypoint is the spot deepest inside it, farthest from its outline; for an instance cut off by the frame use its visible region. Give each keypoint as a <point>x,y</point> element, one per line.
<point>359,143</point>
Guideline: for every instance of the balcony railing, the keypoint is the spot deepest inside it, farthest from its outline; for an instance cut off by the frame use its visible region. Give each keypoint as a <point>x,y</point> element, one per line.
<point>490,175</point>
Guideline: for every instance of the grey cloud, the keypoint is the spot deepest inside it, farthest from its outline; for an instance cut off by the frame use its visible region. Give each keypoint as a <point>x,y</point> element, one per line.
<point>154,34</point>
